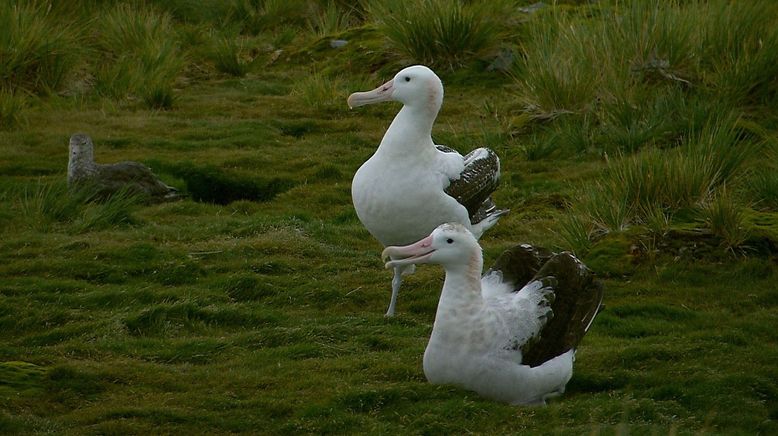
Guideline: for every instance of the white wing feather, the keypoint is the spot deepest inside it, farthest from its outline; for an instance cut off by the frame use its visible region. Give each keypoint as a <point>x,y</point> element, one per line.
<point>521,314</point>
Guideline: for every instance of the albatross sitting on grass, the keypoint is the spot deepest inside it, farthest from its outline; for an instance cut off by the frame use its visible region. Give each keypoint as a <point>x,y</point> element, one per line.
<point>108,179</point>
<point>410,186</point>
<point>510,335</point>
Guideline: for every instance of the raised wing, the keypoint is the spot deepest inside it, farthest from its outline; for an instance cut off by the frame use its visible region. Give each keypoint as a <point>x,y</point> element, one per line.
<point>513,269</point>
<point>577,299</point>
<point>478,180</point>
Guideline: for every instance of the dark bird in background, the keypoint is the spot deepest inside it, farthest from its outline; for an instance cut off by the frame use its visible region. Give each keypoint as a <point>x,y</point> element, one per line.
<point>107,179</point>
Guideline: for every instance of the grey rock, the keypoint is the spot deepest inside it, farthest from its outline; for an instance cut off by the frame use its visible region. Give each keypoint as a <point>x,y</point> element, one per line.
<point>338,43</point>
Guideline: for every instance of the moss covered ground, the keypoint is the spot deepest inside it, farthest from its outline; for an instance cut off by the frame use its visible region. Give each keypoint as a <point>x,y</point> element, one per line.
<point>263,313</point>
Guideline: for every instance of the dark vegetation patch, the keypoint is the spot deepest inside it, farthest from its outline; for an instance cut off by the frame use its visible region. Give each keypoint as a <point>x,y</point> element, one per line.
<point>298,128</point>
<point>248,288</point>
<point>28,170</point>
<point>154,416</point>
<point>593,382</point>
<point>196,351</point>
<point>21,378</point>
<point>210,184</point>
<point>653,311</point>
<point>56,335</point>
<point>265,314</point>
<point>329,172</point>
<point>189,317</point>
<point>29,319</point>
<point>70,383</point>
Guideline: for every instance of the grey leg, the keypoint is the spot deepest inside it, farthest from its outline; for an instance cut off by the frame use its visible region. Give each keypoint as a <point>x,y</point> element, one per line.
<point>397,279</point>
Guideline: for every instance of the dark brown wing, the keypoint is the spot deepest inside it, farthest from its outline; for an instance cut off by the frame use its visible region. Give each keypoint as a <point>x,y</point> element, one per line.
<point>577,298</point>
<point>478,180</point>
<point>519,264</point>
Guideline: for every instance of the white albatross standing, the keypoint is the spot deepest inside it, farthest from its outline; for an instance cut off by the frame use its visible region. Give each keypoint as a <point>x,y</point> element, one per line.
<point>511,335</point>
<point>410,186</point>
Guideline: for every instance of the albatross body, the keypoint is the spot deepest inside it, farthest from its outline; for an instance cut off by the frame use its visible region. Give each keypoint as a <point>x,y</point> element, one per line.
<point>108,179</point>
<point>410,185</point>
<point>511,335</point>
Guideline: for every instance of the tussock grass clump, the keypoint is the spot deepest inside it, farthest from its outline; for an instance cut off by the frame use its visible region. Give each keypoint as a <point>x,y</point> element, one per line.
<point>439,32</point>
<point>763,187</point>
<point>37,51</point>
<point>195,11</point>
<point>576,232</point>
<point>50,201</point>
<point>114,210</point>
<point>540,149</point>
<point>726,219</point>
<point>142,55</point>
<point>321,91</point>
<point>739,51</point>
<point>258,16</point>
<point>558,74</point>
<point>12,106</point>
<point>652,185</point>
<point>657,219</point>
<point>45,204</point>
<point>329,18</point>
<point>646,71</point>
<point>228,54</point>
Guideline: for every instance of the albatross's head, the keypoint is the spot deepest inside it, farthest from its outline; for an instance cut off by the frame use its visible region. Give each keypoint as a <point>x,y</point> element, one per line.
<point>450,245</point>
<point>80,147</point>
<point>80,142</point>
<point>415,86</point>
<point>81,159</point>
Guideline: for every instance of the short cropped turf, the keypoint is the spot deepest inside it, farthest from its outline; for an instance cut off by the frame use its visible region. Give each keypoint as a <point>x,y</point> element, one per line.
<point>643,136</point>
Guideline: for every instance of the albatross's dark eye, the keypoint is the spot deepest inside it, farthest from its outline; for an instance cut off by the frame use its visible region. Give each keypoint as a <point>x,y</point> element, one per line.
<point>407,78</point>
<point>450,241</point>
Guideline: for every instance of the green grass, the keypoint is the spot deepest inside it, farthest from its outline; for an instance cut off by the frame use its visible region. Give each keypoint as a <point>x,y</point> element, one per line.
<point>634,65</point>
<point>144,56</point>
<point>329,19</point>
<point>12,105</point>
<point>261,16</point>
<point>652,186</point>
<point>228,55</point>
<point>255,304</point>
<point>764,186</point>
<point>44,206</point>
<point>36,51</point>
<point>440,33</point>
<point>726,219</point>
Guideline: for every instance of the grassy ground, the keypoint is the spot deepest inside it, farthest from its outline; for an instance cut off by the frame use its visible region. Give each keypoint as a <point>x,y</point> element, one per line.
<point>266,314</point>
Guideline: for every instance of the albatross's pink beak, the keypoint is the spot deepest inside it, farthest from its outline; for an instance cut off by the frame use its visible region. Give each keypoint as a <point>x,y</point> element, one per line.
<point>382,93</point>
<point>418,252</point>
